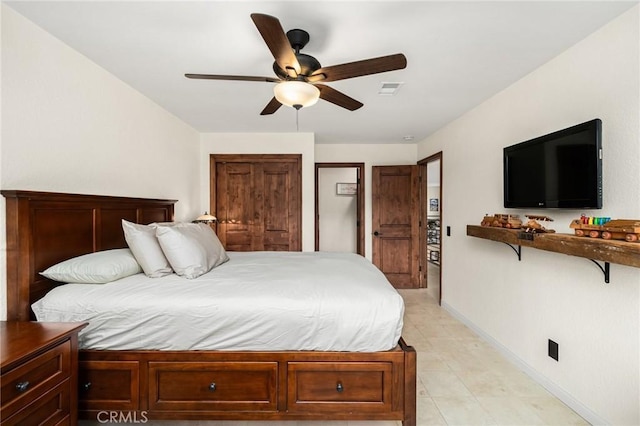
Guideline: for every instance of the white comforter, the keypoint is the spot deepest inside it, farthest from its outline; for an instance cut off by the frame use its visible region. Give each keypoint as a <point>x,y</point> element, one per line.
<point>256,301</point>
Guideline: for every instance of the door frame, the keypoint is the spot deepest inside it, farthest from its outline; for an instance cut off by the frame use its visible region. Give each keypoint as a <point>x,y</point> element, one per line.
<point>359,202</point>
<point>423,219</point>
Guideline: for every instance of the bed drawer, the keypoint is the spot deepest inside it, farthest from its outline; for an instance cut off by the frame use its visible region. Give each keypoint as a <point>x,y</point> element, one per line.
<point>108,385</point>
<point>339,387</point>
<point>35,377</point>
<point>213,386</point>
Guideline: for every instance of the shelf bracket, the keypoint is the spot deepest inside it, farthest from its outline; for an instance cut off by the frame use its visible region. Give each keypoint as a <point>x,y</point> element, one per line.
<point>605,269</point>
<point>518,250</point>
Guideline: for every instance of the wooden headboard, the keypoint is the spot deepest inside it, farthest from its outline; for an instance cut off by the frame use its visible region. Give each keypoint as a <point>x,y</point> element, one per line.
<point>44,228</point>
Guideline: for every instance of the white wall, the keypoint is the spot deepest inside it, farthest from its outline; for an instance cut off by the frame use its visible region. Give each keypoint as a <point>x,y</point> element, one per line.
<point>70,126</point>
<point>370,155</point>
<point>338,214</point>
<point>519,305</point>
<point>265,143</point>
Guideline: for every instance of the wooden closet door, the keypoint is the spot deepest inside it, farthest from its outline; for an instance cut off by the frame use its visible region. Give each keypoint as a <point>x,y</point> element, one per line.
<point>281,207</point>
<point>235,205</point>
<point>257,200</point>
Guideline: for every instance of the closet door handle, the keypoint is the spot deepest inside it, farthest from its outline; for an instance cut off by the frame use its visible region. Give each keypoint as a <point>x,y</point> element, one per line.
<point>376,233</point>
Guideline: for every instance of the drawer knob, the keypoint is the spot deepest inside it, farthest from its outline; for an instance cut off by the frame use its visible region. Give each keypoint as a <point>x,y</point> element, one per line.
<point>86,386</point>
<point>212,387</point>
<point>22,386</point>
<point>339,387</point>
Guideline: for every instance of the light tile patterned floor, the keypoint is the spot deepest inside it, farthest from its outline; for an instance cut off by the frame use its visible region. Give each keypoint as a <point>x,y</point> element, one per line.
<point>462,380</point>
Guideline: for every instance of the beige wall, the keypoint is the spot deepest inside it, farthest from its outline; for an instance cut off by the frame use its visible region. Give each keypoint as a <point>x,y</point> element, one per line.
<point>520,305</point>
<point>70,126</point>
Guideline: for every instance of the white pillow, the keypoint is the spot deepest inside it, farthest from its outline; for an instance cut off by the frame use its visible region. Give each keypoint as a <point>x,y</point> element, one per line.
<point>95,268</point>
<point>145,247</point>
<point>192,249</point>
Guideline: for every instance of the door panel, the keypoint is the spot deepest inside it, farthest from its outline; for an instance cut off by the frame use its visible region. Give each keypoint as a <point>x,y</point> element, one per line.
<point>235,205</point>
<point>395,224</point>
<point>277,210</point>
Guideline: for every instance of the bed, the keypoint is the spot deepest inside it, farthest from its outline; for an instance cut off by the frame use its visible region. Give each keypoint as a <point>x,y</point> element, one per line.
<point>204,381</point>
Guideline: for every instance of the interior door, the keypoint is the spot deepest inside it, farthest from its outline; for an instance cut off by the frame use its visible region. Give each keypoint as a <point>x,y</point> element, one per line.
<point>258,201</point>
<point>395,203</point>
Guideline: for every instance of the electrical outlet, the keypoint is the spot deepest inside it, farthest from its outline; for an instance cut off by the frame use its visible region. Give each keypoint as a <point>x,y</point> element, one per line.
<point>553,349</point>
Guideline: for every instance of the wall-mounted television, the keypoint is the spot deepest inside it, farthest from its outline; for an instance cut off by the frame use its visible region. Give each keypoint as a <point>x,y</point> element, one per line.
<point>560,170</point>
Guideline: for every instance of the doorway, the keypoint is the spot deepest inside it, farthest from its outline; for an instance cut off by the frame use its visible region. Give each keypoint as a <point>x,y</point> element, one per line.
<point>339,207</point>
<point>431,216</point>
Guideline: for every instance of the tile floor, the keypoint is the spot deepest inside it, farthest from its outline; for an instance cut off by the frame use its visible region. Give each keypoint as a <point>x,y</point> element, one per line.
<point>462,380</point>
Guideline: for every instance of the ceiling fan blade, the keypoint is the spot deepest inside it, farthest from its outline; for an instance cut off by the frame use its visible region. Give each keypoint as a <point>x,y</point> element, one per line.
<point>271,107</point>
<point>364,67</point>
<point>277,42</point>
<point>232,77</point>
<point>330,94</point>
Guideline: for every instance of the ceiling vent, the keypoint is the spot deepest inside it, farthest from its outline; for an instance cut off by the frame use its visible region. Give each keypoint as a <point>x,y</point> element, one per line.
<point>389,88</point>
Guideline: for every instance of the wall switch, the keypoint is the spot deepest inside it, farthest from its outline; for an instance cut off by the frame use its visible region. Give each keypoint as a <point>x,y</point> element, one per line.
<point>448,231</point>
<point>553,349</point>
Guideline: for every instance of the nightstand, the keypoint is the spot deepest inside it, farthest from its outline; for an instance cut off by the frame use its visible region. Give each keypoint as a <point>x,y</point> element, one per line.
<point>39,372</point>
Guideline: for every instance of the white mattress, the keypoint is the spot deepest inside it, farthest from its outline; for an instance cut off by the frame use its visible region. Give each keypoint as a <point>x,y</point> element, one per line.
<point>256,301</point>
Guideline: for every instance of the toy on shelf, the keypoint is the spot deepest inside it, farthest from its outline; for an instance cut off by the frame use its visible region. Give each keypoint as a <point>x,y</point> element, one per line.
<point>534,227</point>
<point>498,220</point>
<point>604,227</point>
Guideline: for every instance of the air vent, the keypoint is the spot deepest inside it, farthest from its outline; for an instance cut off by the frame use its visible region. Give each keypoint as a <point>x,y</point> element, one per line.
<point>389,88</point>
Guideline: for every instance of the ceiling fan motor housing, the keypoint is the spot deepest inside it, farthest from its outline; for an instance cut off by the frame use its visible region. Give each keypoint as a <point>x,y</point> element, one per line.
<point>308,64</point>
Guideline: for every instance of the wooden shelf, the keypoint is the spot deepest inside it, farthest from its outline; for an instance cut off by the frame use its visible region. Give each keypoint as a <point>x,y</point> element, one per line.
<point>608,251</point>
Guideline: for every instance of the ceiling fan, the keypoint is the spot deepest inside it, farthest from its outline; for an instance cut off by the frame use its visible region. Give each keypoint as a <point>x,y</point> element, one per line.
<point>300,76</point>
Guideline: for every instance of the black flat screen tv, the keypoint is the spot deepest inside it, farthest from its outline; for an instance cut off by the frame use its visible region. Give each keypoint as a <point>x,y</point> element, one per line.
<point>560,170</point>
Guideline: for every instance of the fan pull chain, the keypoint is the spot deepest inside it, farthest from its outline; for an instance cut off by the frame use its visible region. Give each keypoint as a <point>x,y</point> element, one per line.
<point>297,126</point>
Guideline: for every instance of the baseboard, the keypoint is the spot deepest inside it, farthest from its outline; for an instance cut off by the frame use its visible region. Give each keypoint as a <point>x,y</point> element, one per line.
<point>554,389</point>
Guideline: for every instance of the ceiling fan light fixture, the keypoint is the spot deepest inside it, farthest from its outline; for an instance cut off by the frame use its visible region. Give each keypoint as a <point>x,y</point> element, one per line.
<point>296,94</point>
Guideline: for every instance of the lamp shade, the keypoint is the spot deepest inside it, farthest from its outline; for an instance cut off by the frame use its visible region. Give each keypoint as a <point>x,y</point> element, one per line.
<point>296,94</point>
<point>205,218</point>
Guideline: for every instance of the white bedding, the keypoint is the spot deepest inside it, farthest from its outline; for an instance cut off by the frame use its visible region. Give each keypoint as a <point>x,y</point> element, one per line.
<point>256,301</point>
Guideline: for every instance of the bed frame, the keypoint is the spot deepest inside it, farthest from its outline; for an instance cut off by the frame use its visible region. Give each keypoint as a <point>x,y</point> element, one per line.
<point>46,228</point>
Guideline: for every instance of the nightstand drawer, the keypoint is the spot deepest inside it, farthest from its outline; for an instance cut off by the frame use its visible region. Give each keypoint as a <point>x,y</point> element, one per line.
<point>339,386</point>
<point>35,377</point>
<point>52,408</point>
